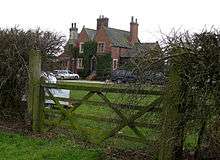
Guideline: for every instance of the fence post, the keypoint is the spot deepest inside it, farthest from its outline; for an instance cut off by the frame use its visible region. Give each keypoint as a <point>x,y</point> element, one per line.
<point>35,91</point>
<point>172,131</point>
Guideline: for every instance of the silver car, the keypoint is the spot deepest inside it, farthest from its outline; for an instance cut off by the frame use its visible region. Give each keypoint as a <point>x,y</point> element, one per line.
<point>65,74</point>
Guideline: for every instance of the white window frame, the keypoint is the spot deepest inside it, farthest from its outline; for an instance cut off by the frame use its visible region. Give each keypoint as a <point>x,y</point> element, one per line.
<point>79,63</point>
<point>98,49</point>
<point>114,64</point>
<point>81,49</point>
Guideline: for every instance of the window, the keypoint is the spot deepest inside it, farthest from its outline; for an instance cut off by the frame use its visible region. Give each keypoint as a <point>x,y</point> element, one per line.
<point>115,64</point>
<point>81,47</point>
<point>100,47</point>
<point>79,63</point>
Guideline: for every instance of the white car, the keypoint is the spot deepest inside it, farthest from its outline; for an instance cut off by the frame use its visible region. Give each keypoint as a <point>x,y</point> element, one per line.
<point>65,74</point>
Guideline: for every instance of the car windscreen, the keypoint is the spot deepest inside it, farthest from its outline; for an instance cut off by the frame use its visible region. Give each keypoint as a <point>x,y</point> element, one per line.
<point>62,72</point>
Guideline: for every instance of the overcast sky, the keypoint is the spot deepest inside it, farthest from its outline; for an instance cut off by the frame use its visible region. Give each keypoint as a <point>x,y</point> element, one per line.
<point>152,15</point>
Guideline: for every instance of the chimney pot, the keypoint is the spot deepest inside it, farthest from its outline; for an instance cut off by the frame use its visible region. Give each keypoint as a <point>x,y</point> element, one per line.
<point>132,19</point>
<point>133,31</point>
<point>102,21</point>
<point>73,33</point>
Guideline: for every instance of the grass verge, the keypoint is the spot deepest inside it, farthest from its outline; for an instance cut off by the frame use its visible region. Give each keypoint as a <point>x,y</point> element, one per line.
<point>18,147</point>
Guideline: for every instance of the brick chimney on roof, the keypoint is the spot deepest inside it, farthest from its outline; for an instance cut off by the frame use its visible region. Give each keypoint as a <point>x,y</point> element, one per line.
<point>73,33</point>
<point>102,21</point>
<point>133,31</point>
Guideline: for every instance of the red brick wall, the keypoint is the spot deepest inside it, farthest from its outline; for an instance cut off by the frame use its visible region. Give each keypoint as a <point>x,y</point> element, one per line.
<point>133,33</point>
<point>115,52</point>
<point>101,36</point>
<point>83,37</point>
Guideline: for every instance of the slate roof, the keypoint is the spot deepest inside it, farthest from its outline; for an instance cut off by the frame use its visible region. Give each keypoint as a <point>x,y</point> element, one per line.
<point>91,33</point>
<point>119,38</point>
<point>140,48</point>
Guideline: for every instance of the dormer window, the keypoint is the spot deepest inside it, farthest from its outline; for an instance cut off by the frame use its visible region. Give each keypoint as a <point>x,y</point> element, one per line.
<point>81,47</point>
<point>101,47</point>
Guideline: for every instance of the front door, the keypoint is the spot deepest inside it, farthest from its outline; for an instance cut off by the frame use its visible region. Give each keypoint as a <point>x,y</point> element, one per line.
<point>93,64</point>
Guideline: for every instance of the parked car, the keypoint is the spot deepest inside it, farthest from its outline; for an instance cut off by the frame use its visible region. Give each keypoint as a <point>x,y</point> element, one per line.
<point>123,76</point>
<point>148,77</point>
<point>65,74</point>
<point>154,78</point>
<point>49,77</point>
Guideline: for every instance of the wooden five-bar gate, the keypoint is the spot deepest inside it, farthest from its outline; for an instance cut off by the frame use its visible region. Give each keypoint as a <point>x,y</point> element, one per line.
<point>40,113</point>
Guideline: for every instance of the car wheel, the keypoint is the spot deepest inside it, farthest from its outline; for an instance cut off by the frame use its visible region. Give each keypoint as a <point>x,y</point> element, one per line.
<point>76,77</point>
<point>62,78</point>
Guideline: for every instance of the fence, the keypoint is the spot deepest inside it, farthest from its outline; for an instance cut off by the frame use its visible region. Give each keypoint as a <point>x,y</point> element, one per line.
<point>65,115</point>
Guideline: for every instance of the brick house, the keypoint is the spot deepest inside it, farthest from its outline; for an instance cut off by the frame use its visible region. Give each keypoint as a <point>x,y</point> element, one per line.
<point>119,43</point>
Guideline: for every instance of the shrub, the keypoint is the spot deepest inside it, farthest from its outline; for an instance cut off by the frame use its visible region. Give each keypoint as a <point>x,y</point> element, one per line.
<point>103,67</point>
<point>15,47</point>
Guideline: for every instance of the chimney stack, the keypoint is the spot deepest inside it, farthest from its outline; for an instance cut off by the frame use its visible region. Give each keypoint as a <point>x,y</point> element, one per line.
<point>73,33</point>
<point>73,27</point>
<point>102,21</point>
<point>133,31</point>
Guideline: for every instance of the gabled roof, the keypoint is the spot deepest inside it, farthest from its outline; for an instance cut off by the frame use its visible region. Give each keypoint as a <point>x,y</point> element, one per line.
<point>91,33</point>
<point>119,38</point>
<point>141,48</point>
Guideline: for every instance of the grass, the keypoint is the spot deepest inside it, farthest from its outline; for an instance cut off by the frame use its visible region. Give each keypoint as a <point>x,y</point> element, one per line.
<point>18,147</point>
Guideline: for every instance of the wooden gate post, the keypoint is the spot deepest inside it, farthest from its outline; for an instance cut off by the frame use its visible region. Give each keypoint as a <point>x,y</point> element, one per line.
<point>35,91</point>
<point>172,131</point>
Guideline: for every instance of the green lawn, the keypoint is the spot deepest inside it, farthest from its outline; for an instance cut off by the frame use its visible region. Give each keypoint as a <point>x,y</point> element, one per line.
<point>17,147</point>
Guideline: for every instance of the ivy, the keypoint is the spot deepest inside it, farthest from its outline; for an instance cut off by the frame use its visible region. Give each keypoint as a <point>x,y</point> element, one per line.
<point>89,50</point>
<point>104,65</point>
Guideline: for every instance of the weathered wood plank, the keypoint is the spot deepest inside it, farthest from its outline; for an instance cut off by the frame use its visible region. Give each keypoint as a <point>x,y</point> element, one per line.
<point>102,119</point>
<point>103,89</point>
<point>117,136</point>
<point>103,104</point>
<point>34,96</point>
<point>132,119</point>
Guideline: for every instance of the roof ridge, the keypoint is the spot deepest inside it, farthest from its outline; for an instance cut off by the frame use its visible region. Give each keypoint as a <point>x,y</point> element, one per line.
<point>119,29</point>
<point>90,29</point>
